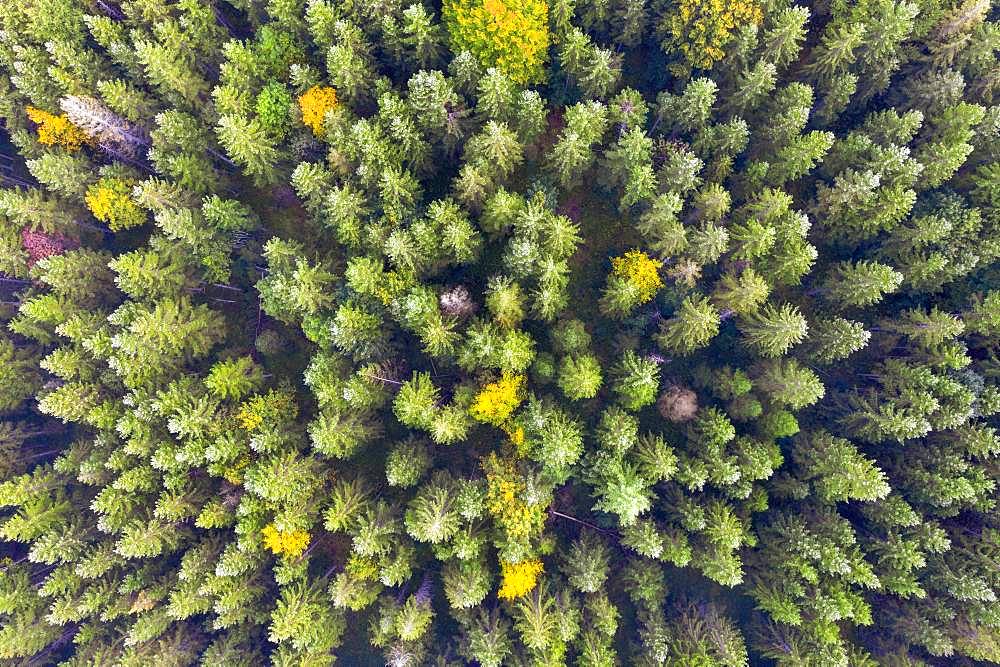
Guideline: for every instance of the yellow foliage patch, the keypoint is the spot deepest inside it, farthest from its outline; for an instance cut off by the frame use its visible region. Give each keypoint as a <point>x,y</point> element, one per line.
<point>249,418</point>
<point>110,201</point>
<point>511,35</point>
<point>700,28</point>
<point>234,473</point>
<point>57,130</point>
<point>275,406</point>
<point>516,435</point>
<point>290,545</point>
<point>362,567</point>
<point>314,104</point>
<point>505,499</point>
<point>496,402</point>
<point>641,271</point>
<point>393,285</point>
<point>519,578</point>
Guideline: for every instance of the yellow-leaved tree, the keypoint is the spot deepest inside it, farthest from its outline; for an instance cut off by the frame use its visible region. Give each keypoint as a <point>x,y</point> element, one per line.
<point>641,271</point>
<point>519,578</point>
<point>314,103</point>
<point>289,544</point>
<point>506,491</point>
<point>496,402</point>
<point>57,130</point>
<point>699,29</point>
<point>511,35</point>
<point>110,200</point>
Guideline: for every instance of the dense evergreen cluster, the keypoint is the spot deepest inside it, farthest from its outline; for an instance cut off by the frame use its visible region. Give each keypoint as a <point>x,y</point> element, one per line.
<point>500,332</point>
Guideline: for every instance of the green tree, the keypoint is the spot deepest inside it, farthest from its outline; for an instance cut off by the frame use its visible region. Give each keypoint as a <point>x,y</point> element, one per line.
<point>773,331</point>
<point>693,326</point>
<point>636,380</point>
<point>860,283</point>
<point>837,470</point>
<point>579,377</point>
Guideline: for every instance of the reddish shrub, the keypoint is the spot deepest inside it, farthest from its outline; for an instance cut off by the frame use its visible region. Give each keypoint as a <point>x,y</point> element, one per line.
<point>40,245</point>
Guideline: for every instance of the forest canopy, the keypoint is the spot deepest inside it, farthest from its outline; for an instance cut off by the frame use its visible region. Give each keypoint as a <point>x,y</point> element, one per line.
<point>499,332</point>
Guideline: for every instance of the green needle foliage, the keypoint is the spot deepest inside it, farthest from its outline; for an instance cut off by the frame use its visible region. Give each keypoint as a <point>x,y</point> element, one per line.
<point>497,333</point>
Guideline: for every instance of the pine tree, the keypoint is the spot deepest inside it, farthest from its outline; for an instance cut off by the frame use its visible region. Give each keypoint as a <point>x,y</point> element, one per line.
<point>772,331</point>
<point>693,326</point>
<point>248,143</point>
<point>861,283</point>
<point>837,470</point>
<point>785,382</point>
<point>741,294</point>
<point>636,380</point>
<point>579,377</point>
<point>573,153</point>
<point>307,325</point>
<point>834,339</point>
